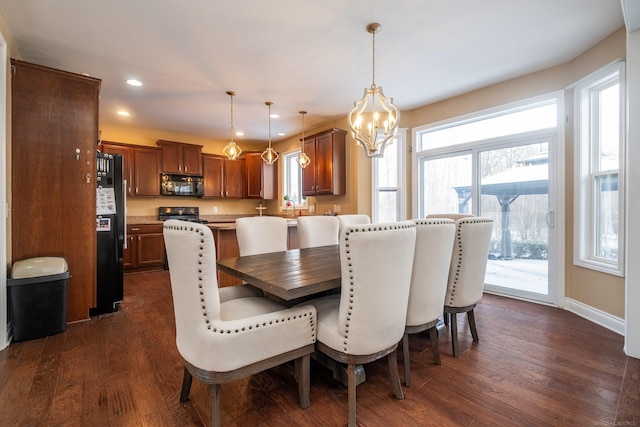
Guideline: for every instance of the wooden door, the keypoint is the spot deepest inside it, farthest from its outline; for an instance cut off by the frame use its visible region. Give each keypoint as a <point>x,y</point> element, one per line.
<point>233,179</point>
<point>53,189</point>
<point>213,168</point>
<point>324,166</point>
<point>147,172</point>
<point>129,253</point>
<point>309,173</point>
<point>150,250</point>
<point>253,175</point>
<point>192,160</point>
<point>171,158</point>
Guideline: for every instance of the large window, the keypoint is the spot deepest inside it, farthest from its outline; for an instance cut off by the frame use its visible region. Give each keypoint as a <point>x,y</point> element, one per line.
<point>599,131</point>
<point>388,198</point>
<point>292,182</point>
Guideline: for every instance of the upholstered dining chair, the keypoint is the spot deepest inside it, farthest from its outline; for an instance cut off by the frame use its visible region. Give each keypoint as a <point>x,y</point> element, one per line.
<point>365,322</point>
<point>316,231</point>
<point>351,219</point>
<point>466,273</point>
<point>434,242</point>
<point>261,234</point>
<point>222,341</point>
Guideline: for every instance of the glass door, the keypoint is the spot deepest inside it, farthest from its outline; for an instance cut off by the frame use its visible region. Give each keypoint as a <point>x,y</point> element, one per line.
<point>514,191</point>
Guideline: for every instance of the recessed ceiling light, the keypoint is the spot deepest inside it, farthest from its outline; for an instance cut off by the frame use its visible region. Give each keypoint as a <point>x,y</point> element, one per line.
<point>281,134</point>
<point>123,113</point>
<point>275,116</point>
<point>239,133</point>
<point>134,82</point>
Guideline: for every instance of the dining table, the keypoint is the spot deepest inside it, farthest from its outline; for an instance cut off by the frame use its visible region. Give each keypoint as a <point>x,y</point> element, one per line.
<point>294,276</point>
<point>289,275</point>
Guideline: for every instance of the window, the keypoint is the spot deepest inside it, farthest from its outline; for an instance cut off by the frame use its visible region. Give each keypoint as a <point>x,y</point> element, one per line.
<point>292,174</point>
<point>599,133</point>
<point>388,179</point>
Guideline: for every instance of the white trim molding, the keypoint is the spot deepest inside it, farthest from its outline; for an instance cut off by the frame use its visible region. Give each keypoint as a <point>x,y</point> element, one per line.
<point>599,317</point>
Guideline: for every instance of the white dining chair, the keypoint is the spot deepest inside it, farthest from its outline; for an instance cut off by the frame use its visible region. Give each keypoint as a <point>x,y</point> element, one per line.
<point>261,234</point>
<point>316,231</point>
<point>434,242</point>
<point>222,341</point>
<point>351,219</point>
<point>366,321</point>
<point>466,273</point>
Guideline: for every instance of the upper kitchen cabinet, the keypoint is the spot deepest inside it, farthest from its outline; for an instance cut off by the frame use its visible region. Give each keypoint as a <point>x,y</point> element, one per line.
<point>326,174</point>
<point>222,177</point>
<point>141,167</point>
<point>261,178</point>
<point>53,169</point>
<point>181,158</point>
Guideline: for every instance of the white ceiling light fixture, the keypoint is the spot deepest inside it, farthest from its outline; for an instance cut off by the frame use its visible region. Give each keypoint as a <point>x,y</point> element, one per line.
<point>134,82</point>
<point>123,113</point>
<point>303,159</point>
<point>232,150</point>
<point>368,128</point>
<point>269,155</point>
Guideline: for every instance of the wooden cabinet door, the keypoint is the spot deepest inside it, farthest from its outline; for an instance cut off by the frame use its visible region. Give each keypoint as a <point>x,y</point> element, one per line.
<point>234,179</point>
<point>129,253</point>
<point>213,173</point>
<point>191,160</point>
<point>171,158</point>
<point>150,250</point>
<point>261,178</point>
<point>147,172</point>
<point>324,165</point>
<point>53,165</point>
<point>127,162</point>
<point>309,173</point>
<point>226,247</point>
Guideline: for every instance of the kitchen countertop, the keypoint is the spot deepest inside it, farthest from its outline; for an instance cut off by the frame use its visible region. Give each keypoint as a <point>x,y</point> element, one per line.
<point>216,222</point>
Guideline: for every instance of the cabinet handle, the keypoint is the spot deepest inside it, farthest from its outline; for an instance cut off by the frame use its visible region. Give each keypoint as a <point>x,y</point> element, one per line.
<point>135,229</point>
<point>226,193</point>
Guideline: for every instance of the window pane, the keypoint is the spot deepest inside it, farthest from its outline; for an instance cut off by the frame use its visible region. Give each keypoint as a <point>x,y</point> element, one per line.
<point>541,117</point>
<point>388,167</point>
<point>293,178</point>
<point>446,185</point>
<point>387,205</point>
<point>609,109</point>
<point>606,214</point>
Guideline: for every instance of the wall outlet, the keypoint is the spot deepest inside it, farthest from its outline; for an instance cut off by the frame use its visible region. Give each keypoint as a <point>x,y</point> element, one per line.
<point>336,208</point>
<point>215,209</point>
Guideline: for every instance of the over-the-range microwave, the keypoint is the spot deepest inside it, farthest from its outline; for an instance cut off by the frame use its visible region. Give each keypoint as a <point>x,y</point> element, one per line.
<point>181,185</point>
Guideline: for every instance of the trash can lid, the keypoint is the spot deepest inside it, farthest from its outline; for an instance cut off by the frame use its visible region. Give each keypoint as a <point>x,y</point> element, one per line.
<point>40,266</point>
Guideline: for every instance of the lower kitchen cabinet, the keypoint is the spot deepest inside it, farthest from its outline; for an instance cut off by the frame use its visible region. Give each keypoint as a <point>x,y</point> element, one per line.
<point>145,247</point>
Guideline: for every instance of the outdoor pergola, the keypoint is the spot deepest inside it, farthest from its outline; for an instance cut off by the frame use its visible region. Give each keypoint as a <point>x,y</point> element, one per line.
<point>507,186</point>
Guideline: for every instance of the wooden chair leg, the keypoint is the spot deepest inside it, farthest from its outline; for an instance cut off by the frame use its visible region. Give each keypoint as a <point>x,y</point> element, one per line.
<point>395,375</point>
<point>303,374</point>
<point>351,389</point>
<point>186,385</point>
<point>472,324</point>
<point>214,405</point>
<point>454,334</point>
<point>433,338</point>
<point>405,355</point>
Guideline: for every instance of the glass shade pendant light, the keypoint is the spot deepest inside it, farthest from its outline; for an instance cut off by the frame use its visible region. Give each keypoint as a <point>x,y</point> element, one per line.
<point>232,151</point>
<point>374,119</point>
<point>303,159</point>
<point>269,155</point>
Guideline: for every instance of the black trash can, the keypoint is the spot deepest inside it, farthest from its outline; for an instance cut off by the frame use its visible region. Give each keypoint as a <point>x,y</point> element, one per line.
<point>37,291</point>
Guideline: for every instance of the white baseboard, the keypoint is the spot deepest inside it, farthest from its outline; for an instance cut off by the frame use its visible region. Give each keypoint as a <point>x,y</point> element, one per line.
<point>596,316</point>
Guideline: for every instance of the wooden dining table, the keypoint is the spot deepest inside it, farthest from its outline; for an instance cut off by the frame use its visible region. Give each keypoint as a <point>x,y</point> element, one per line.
<point>289,275</point>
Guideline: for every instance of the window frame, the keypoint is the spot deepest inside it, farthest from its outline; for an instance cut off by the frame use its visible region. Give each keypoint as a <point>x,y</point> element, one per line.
<point>587,170</point>
<point>286,156</point>
<point>399,144</point>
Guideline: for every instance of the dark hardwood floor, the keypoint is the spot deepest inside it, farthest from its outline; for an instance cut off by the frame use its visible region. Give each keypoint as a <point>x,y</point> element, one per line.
<point>534,366</point>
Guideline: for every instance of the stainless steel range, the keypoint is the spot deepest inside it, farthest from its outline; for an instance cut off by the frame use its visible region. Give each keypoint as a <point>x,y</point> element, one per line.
<point>191,214</point>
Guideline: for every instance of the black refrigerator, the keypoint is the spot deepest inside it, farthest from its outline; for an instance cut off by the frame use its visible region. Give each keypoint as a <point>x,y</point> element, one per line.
<point>110,229</point>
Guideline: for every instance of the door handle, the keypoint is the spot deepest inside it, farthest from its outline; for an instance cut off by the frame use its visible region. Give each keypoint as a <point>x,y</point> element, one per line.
<point>550,219</point>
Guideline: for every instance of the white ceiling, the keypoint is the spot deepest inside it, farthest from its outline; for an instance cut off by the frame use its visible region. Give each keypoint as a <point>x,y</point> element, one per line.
<point>299,54</point>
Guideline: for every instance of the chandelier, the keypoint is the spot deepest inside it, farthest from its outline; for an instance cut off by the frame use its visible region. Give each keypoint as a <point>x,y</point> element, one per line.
<point>303,159</point>
<point>269,155</point>
<point>232,151</point>
<point>374,119</point>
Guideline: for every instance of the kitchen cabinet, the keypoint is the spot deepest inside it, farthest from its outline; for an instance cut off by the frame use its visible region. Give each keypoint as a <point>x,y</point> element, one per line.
<point>141,167</point>
<point>261,179</point>
<point>181,158</point>
<point>54,121</point>
<point>223,178</point>
<point>145,247</point>
<point>326,174</point>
